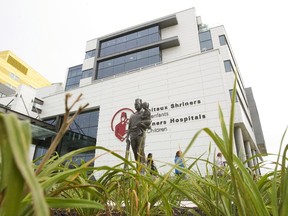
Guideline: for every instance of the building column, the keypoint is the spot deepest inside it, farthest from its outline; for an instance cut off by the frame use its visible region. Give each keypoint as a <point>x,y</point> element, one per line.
<point>240,144</point>
<point>249,154</point>
<point>255,159</point>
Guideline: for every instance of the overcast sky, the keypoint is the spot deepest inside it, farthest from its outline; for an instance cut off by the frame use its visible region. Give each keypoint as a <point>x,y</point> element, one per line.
<point>51,35</point>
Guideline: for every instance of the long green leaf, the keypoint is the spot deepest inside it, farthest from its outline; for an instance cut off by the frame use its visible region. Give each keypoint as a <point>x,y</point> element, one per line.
<point>19,138</point>
<point>58,202</point>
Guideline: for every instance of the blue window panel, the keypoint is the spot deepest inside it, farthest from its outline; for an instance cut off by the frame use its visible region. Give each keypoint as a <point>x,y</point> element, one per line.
<point>131,44</point>
<point>154,51</point>
<point>120,47</point>
<point>143,33</point>
<point>143,62</point>
<point>129,62</point>
<point>130,41</point>
<point>130,65</point>
<point>222,40</point>
<point>92,131</point>
<point>119,68</point>
<point>87,73</point>
<point>90,54</point>
<point>228,66</point>
<point>203,36</point>
<point>154,59</point>
<point>131,57</point>
<point>119,60</point>
<point>131,36</point>
<point>206,45</point>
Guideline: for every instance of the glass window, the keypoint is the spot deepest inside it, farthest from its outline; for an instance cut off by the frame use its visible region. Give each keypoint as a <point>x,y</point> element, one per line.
<point>154,38</point>
<point>205,41</point>
<point>130,41</point>
<point>231,92</point>
<point>90,54</point>
<point>131,36</point>
<point>143,41</point>
<point>103,52</point>
<point>40,150</point>
<point>128,62</point>
<point>87,73</point>
<point>143,62</point>
<point>143,33</point>
<point>101,65</point>
<point>120,47</point>
<point>73,77</point>
<point>228,66</point>
<point>222,40</point>
<point>203,36</point>
<point>109,50</point>
<point>131,57</point>
<point>14,77</point>
<point>92,131</point>
<point>108,63</point>
<point>119,68</point>
<point>154,51</point>
<point>120,39</point>
<point>130,65</point>
<point>154,59</point>
<point>131,44</point>
<point>100,74</point>
<point>103,44</point>
<point>108,71</point>
<point>84,121</point>
<point>206,45</point>
<point>119,60</point>
<point>154,29</point>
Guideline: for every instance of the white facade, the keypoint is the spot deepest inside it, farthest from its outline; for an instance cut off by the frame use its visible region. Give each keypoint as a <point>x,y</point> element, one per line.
<point>184,92</point>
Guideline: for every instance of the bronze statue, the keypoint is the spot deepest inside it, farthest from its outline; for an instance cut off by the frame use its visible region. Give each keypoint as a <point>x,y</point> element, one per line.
<point>139,122</point>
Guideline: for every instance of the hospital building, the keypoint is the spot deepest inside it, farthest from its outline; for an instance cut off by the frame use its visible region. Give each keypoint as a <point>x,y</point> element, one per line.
<point>182,67</point>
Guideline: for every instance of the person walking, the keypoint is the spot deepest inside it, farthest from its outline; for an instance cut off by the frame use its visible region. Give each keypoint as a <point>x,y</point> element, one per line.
<point>220,164</point>
<point>179,162</point>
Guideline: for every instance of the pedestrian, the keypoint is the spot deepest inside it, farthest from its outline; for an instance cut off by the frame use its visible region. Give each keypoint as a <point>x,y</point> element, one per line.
<point>179,162</point>
<point>151,165</point>
<point>220,164</point>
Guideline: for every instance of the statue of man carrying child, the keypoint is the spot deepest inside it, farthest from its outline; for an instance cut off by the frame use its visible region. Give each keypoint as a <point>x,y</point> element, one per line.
<point>139,122</point>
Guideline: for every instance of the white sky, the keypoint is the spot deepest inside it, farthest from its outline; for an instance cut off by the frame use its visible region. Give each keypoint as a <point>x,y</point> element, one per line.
<point>51,35</point>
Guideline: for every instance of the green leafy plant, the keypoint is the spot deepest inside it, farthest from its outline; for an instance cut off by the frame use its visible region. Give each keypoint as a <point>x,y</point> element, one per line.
<point>54,185</point>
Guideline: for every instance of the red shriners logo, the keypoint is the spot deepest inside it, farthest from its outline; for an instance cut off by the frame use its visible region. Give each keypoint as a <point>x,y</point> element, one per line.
<point>119,123</point>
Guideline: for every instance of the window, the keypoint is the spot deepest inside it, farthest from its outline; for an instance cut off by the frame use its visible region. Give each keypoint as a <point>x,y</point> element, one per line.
<point>82,133</point>
<point>231,92</point>
<point>222,40</point>
<point>73,77</point>
<point>14,77</point>
<point>205,41</point>
<point>87,73</point>
<point>130,41</point>
<point>90,54</point>
<point>228,66</point>
<point>86,123</point>
<point>128,62</point>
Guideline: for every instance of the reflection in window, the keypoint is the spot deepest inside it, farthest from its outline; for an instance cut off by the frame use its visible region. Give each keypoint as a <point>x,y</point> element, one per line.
<point>228,66</point>
<point>128,62</point>
<point>130,41</point>
<point>73,77</point>
<point>90,54</point>
<point>205,41</point>
<point>84,122</point>
<point>87,73</point>
<point>222,40</point>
